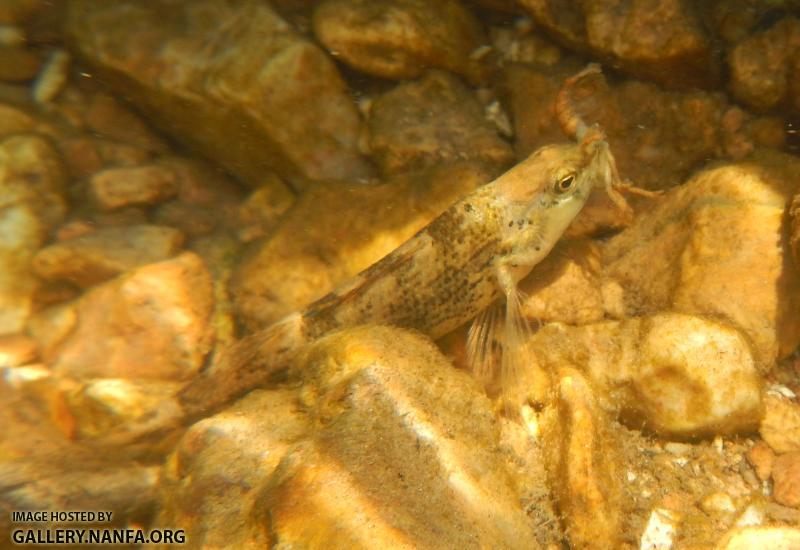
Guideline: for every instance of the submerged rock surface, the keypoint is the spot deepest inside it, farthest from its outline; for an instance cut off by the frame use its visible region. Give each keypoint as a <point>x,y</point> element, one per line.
<point>765,67</point>
<point>657,405</point>
<point>678,374</point>
<point>723,253</point>
<point>432,121</point>
<point>400,39</point>
<point>32,202</point>
<point>237,82</point>
<point>160,328</point>
<point>385,442</point>
<point>661,40</point>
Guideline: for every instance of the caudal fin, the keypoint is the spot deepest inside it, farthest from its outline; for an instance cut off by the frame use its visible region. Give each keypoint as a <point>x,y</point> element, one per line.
<point>247,364</point>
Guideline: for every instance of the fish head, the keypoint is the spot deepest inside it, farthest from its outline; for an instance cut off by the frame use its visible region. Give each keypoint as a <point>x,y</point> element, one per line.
<point>547,190</point>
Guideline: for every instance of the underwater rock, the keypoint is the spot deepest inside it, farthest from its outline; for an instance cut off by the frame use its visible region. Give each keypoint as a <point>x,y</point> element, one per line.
<point>233,80</point>
<point>86,155</point>
<point>213,483</point>
<point>522,43</point>
<point>104,116</point>
<point>119,187</point>
<point>19,11</point>
<point>765,67</point>
<point>719,503</point>
<point>77,479</point>
<point>762,459</point>
<point>52,79</point>
<point>17,349</point>
<point>311,251</point>
<point>525,458</point>
<point>434,120</point>
<point>160,329</point>
<point>32,174</point>
<point>794,239</point>
<point>32,201</point>
<point>14,120</point>
<point>129,216</point>
<point>110,405</point>
<point>722,253</point>
<point>786,479</point>
<point>654,39</point>
<point>18,64</point>
<point>661,528</point>
<point>780,423</point>
<point>583,464</point>
<point>51,325</point>
<point>677,374</point>
<point>81,156</point>
<point>404,451</point>
<point>261,211</point>
<point>42,469</point>
<point>530,93</point>
<point>34,395</point>
<point>658,137</point>
<point>733,20</point>
<point>206,198</point>
<point>748,538</point>
<point>100,255</point>
<point>114,154</point>
<point>565,286</point>
<point>384,442</point>
<point>400,39</point>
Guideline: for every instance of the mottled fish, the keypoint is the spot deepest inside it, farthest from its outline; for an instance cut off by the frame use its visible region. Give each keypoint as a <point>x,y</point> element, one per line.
<point>454,269</point>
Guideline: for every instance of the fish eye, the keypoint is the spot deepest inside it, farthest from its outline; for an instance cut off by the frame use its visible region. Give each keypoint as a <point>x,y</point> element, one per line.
<point>564,184</point>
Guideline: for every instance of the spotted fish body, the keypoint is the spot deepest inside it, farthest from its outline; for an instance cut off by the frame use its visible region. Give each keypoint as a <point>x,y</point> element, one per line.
<point>434,282</point>
<point>460,264</point>
<point>447,273</point>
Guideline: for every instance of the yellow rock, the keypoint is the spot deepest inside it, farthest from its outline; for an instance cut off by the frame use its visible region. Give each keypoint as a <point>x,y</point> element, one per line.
<point>749,538</point>
<point>212,484</point>
<point>405,450</point>
<point>715,247</point>
<point>399,39</point>
<point>161,329</point>
<point>384,444</point>
<point>100,255</point>
<point>583,464</point>
<point>267,98</point>
<point>37,387</point>
<point>780,424</point>
<point>565,286</point>
<point>32,181</point>
<point>679,374</point>
<point>108,405</point>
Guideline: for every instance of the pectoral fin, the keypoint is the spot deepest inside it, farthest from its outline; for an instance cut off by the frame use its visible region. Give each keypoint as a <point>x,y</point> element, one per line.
<point>516,359</point>
<point>485,336</point>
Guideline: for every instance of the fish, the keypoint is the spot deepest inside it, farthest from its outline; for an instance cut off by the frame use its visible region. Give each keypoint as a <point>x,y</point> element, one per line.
<point>458,268</point>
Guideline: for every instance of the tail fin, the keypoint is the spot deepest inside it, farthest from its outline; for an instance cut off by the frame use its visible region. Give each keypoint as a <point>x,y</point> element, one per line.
<point>247,364</point>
